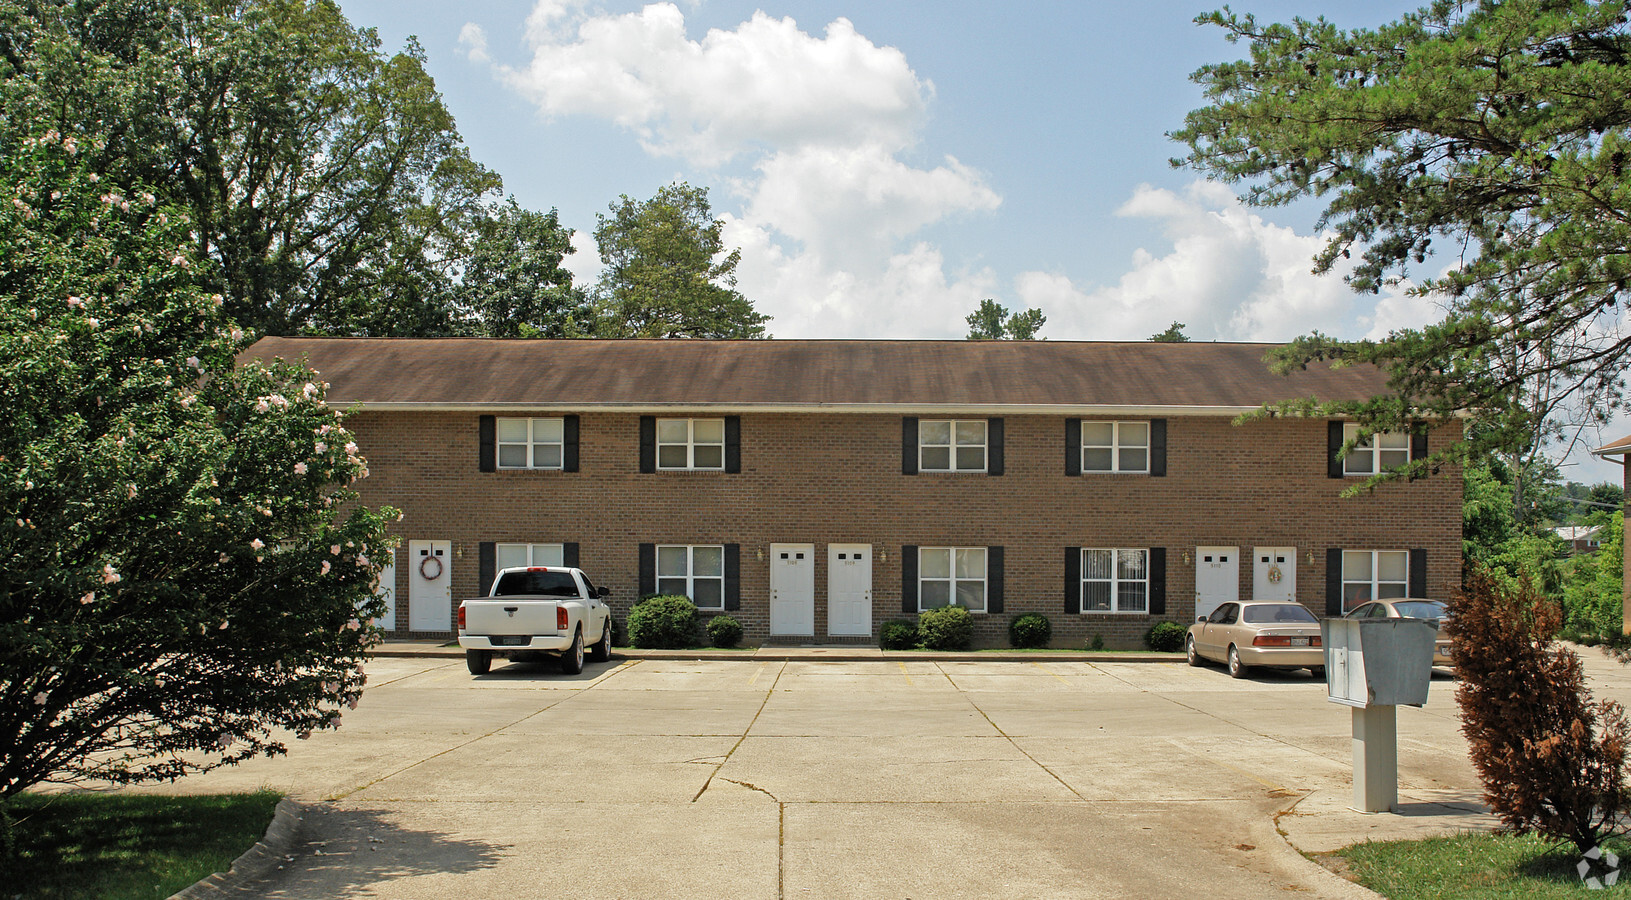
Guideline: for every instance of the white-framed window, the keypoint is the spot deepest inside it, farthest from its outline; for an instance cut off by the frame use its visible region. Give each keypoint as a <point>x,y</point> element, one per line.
<point>1375,454</point>
<point>951,576</point>
<point>693,570</point>
<point>951,445</point>
<point>691,444</point>
<point>511,556</point>
<point>1115,447</point>
<point>531,443</point>
<point>1115,581</point>
<point>1374,575</point>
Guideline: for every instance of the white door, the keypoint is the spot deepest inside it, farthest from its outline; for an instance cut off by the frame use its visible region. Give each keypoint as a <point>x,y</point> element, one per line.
<point>1217,578</point>
<point>430,586</point>
<point>387,590</point>
<point>792,589</point>
<point>1274,573</point>
<point>849,589</point>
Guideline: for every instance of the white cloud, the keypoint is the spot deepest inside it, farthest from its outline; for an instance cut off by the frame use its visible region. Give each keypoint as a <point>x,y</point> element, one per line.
<point>473,41</point>
<point>1229,275</point>
<point>765,85</point>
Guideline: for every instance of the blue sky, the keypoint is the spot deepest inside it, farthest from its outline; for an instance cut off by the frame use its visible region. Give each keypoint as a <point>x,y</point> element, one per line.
<point>885,166</point>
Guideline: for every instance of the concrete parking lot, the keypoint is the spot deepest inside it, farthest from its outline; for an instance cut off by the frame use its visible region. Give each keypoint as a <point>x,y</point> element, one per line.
<point>909,779</point>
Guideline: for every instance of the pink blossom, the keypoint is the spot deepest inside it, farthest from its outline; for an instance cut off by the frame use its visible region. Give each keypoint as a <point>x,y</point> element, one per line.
<point>193,361</point>
<point>324,570</point>
<point>223,626</point>
<point>333,549</point>
<point>109,576</point>
<point>322,447</point>
<point>310,390</point>
<point>300,468</point>
<point>262,406</point>
<point>179,260</point>
<point>93,178</point>
<point>75,302</point>
<point>351,448</point>
<point>130,491</point>
<point>237,335</point>
<point>39,699</point>
<point>352,703</point>
<point>90,597</point>
<point>353,625</point>
<point>362,561</point>
<point>256,544</point>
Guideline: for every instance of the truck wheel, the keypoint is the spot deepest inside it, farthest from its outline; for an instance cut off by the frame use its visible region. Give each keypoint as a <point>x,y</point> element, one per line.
<point>572,657</point>
<point>478,661</point>
<point>602,650</point>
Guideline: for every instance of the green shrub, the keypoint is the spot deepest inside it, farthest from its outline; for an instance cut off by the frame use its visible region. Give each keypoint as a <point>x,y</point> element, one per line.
<point>945,628</point>
<point>1098,642</point>
<point>724,631</point>
<point>1030,630</point>
<point>1167,637</point>
<point>663,623</point>
<point>898,634</point>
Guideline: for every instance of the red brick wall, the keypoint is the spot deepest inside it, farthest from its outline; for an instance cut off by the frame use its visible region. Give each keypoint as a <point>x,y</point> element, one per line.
<point>836,478</point>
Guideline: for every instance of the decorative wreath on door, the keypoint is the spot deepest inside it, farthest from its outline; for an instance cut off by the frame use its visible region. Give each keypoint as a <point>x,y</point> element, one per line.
<point>425,568</point>
<point>1275,574</point>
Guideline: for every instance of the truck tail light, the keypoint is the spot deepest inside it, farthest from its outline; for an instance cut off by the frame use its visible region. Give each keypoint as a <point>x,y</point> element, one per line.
<point>461,618</point>
<point>560,618</point>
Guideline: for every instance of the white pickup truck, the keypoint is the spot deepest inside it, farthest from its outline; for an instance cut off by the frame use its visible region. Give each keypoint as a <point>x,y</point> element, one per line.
<point>537,611</point>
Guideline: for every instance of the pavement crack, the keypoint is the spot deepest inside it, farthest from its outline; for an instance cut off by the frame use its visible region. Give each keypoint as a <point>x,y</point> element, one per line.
<point>753,787</point>
<point>1011,742</point>
<point>769,692</point>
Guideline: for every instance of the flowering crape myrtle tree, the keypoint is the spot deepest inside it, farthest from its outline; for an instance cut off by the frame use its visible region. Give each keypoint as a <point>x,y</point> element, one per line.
<point>179,588</point>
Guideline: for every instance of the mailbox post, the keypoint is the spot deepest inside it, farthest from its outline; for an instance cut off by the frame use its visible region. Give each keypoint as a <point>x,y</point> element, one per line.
<point>1374,666</point>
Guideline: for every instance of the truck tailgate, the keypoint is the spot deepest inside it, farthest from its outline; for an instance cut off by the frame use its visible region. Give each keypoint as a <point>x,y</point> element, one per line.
<point>509,615</point>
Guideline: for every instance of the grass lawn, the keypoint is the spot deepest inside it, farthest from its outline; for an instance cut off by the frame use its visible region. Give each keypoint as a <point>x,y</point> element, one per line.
<point>122,847</point>
<point>1476,867</point>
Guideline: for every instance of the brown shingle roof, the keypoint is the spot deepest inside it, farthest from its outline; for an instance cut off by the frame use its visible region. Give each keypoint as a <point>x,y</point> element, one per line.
<point>474,372</point>
<point>1620,447</point>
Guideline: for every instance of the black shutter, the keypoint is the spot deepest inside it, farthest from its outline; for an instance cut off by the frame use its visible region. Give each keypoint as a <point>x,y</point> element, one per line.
<point>1418,442</point>
<point>733,576</point>
<point>733,444</point>
<point>993,438</point>
<point>486,566</point>
<point>487,430</point>
<point>1073,580</point>
<point>569,445</point>
<point>1158,581</point>
<point>908,446</point>
<point>569,554</point>
<point>1158,447</point>
<point>993,578</point>
<point>1073,447</point>
<point>1418,573</point>
<point>648,570</point>
<point>908,580</point>
<point>1333,581</point>
<point>1333,449</point>
<point>648,443</point>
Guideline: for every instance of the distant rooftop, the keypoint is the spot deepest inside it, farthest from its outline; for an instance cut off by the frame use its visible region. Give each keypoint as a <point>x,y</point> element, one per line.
<point>1615,448</point>
<point>468,373</point>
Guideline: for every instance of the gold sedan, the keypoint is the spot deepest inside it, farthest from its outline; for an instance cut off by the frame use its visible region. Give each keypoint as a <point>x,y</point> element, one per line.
<point>1410,608</point>
<point>1247,635</point>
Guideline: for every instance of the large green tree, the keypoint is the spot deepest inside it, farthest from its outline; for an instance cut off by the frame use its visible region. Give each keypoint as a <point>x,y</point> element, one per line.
<point>183,579</point>
<point>325,178</point>
<point>1479,149</point>
<point>994,322</point>
<point>513,284</point>
<point>667,272</point>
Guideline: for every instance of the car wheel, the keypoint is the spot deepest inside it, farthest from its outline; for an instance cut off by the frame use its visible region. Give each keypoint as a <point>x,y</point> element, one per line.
<point>1190,653</point>
<point>602,650</point>
<point>572,657</point>
<point>1237,669</point>
<point>479,662</point>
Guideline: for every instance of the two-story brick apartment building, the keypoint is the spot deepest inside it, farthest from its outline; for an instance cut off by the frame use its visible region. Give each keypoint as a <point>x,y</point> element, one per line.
<point>817,489</point>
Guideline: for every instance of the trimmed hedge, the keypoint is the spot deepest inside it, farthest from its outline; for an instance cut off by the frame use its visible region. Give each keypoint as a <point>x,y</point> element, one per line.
<point>1166,637</point>
<point>945,628</point>
<point>898,634</point>
<point>724,631</point>
<point>663,622</point>
<point>1030,630</point>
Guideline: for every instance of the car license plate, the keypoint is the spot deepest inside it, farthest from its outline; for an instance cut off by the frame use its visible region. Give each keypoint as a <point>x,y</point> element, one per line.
<point>510,640</point>
<point>1299,642</point>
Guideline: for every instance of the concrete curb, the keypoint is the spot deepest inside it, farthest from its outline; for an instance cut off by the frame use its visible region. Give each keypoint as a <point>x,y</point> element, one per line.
<point>1299,862</point>
<point>267,854</point>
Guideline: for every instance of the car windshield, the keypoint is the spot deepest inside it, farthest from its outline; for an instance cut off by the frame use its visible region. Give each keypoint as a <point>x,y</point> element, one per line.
<point>1421,609</point>
<point>1287,612</point>
<point>538,584</point>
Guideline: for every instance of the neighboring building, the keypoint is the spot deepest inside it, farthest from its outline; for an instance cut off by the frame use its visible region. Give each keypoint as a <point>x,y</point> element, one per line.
<point>1622,449</point>
<point>1580,538</point>
<point>817,489</point>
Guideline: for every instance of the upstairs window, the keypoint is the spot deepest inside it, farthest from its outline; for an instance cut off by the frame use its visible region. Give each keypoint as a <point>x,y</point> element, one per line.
<point>1116,447</point>
<point>951,445</point>
<point>691,444</point>
<point>531,443</point>
<point>1375,454</point>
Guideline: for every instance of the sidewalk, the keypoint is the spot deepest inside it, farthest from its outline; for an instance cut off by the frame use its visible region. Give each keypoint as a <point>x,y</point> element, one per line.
<point>840,653</point>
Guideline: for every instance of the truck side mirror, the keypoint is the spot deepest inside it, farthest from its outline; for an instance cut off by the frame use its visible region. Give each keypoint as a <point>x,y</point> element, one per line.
<point>603,591</point>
